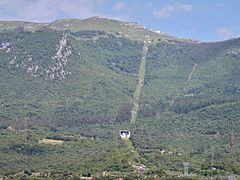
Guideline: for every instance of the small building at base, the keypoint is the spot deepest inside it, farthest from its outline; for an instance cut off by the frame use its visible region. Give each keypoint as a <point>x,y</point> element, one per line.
<point>124,134</point>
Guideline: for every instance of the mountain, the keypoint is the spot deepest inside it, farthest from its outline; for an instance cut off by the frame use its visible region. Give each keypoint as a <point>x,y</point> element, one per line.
<point>130,30</point>
<point>81,81</point>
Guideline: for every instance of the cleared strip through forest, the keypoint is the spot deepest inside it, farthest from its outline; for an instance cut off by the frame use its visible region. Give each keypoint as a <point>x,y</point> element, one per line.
<point>186,84</point>
<point>191,73</point>
<point>141,76</point>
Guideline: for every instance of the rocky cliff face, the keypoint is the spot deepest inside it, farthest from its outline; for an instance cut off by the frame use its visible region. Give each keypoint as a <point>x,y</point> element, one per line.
<point>55,68</point>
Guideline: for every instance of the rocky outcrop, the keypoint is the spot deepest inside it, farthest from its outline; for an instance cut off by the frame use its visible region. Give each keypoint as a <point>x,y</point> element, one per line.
<point>5,46</point>
<point>58,70</point>
<point>53,68</point>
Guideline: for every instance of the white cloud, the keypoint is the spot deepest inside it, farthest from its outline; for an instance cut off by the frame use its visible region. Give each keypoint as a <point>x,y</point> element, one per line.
<point>48,10</point>
<point>169,9</point>
<point>224,32</point>
<point>119,6</point>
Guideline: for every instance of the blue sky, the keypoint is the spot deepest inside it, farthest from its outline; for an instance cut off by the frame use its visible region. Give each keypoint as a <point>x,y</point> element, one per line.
<point>206,20</point>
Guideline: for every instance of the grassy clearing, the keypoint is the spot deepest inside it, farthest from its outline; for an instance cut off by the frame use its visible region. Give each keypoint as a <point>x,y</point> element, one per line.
<point>50,141</point>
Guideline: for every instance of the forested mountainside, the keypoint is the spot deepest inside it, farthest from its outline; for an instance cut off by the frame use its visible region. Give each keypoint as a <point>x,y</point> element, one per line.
<point>81,81</point>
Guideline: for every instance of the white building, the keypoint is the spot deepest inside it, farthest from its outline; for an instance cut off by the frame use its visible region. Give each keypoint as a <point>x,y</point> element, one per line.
<point>124,134</point>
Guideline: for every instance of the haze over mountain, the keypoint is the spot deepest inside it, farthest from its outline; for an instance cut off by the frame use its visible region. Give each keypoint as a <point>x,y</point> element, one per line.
<point>81,81</point>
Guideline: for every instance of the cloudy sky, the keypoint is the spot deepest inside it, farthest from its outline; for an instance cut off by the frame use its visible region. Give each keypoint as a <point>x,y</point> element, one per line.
<point>206,20</point>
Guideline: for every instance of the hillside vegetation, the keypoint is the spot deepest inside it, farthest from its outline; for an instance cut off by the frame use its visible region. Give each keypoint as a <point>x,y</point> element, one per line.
<point>73,81</point>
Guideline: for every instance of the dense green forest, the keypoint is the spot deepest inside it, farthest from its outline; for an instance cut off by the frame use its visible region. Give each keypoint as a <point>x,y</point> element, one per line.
<point>92,90</point>
<point>75,89</point>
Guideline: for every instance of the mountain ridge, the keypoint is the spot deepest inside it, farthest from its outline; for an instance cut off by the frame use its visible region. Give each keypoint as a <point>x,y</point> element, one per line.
<point>82,85</point>
<point>139,32</point>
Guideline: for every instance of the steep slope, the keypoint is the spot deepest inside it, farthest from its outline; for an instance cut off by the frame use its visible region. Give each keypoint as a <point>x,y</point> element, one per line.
<point>181,74</point>
<point>141,77</point>
<point>51,76</point>
<point>191,103</point>
<point>74,81</point>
